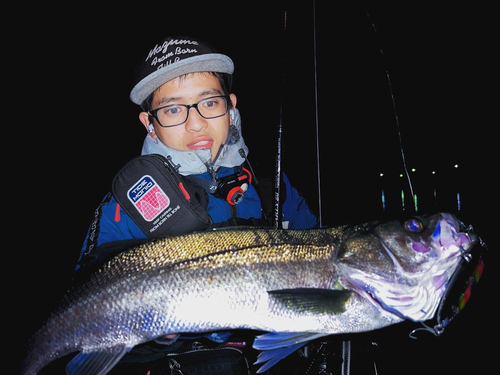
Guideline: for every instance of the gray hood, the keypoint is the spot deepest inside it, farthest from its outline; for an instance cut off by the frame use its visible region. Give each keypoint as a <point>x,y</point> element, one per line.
<point>198,161</point>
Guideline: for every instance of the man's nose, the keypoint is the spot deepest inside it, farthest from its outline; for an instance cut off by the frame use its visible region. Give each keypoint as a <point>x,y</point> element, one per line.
<point>195,121</point>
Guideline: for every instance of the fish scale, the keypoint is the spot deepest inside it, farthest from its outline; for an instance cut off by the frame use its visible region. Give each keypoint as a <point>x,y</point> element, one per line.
<point>310,282</point>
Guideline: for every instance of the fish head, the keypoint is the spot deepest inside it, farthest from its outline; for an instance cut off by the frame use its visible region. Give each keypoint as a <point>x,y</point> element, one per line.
<point>405,267</point>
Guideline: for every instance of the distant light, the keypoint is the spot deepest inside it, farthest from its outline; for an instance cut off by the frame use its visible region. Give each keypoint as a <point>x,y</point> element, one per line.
<point>413,170</point>
<point>381,175</point>
<point>433,172</point>
<point>400,175</point>
<point>456,166</point>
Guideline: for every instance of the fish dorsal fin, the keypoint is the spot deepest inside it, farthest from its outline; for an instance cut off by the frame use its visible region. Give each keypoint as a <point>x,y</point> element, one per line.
<point>313,300</point>
<point>99,362</point>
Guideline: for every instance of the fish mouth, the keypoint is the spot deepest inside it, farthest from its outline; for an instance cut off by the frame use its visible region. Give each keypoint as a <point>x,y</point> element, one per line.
<point>413,285</point>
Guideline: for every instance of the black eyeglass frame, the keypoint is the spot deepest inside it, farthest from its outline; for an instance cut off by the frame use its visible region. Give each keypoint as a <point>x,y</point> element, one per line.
<point>188,107</point>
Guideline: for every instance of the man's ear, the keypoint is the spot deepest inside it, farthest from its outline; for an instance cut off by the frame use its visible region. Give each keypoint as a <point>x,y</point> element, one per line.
<point>144,117</point>
<point>233,100</point>
<point>232,97</point>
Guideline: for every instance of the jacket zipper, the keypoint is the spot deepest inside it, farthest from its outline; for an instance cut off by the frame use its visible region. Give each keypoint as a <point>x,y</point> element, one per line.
<point>346,357</point>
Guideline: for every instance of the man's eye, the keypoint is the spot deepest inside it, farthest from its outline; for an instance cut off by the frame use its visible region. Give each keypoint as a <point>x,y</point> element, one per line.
<point>173,111</point>
<point>211,103</point>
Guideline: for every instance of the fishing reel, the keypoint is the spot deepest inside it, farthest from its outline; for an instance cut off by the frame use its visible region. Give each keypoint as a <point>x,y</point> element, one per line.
<point>232,188</point>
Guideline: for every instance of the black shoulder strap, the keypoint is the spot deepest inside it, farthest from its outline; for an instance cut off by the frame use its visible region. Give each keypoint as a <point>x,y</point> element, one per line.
<point>93,235</point>
<point>158,199</point>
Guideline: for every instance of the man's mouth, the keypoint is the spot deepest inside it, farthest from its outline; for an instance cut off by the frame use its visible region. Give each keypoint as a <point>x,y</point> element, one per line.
<point>200,144</point>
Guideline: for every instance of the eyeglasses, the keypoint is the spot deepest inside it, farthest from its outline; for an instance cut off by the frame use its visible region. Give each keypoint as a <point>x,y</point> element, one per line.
<point>177,114</point>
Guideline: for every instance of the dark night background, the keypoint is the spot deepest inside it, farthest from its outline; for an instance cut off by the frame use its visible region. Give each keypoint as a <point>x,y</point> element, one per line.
<point>79,127</point>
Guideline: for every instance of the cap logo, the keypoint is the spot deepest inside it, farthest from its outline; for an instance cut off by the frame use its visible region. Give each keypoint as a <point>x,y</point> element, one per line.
<point>176,53</point>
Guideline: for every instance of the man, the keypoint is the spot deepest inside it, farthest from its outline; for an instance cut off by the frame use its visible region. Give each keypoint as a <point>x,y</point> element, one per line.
<point>194,133</point>
<point>191,118</point>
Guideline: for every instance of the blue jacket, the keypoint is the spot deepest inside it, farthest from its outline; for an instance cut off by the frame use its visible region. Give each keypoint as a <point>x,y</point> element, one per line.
<point>112,223</point>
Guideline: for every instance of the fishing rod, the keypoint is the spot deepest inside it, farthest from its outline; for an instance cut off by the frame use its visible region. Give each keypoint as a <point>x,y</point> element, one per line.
<point>393,101</point>
<point>395,111</point>
<point>278,175</point>
<point>277,197</point>
<point>318,170</point>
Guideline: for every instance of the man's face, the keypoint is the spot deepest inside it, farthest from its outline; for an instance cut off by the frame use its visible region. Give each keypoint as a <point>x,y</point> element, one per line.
<point>197,132</point>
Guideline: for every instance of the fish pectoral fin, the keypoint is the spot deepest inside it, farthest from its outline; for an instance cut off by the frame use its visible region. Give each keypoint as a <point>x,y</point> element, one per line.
<point>99,362</point>
<point>318,301</point>
<point>277,345</point>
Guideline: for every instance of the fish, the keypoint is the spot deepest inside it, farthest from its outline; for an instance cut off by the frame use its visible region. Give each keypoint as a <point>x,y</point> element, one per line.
<point>293,286</point>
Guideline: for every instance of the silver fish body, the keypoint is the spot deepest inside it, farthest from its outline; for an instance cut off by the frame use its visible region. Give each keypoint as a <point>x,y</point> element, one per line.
<point>318,281</point>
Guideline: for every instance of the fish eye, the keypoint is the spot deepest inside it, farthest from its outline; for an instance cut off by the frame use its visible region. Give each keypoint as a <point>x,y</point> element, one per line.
<point>414,225</point>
